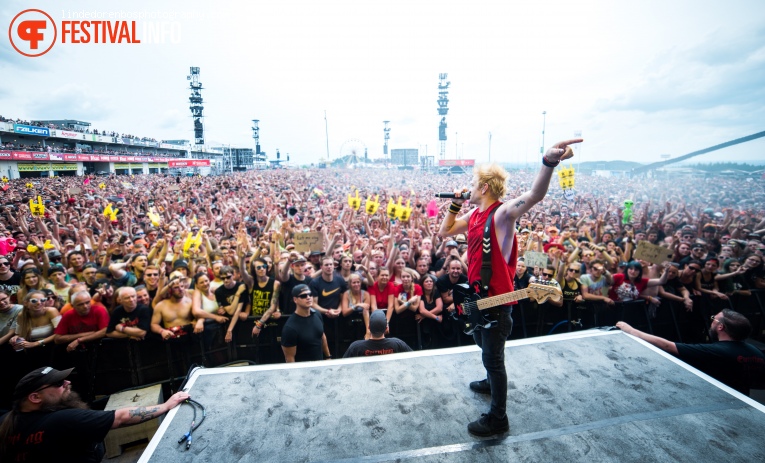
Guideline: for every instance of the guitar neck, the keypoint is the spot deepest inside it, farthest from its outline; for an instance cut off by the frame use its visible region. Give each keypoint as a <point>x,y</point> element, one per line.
<point>502,299</point>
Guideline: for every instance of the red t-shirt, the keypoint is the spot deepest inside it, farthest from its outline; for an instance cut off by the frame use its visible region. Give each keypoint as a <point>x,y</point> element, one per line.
<point>417,291</point>
<point>72,323</point>
<point>624,291</point>
<point>381,296</point>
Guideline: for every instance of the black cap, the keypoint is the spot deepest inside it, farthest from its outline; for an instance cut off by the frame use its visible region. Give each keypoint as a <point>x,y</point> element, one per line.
<point>316,253</point>
<point>299,289</point>
<point>56,269</point>
<point>180,263</point>
<point>38,378</point>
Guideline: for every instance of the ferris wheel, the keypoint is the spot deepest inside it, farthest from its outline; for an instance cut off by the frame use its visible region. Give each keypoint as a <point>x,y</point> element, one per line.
<point>353,151</point>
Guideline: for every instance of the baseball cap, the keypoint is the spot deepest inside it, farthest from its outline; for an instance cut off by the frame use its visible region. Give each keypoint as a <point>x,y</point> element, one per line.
<point>377,322</point>
<point>317,253</point>
<point>180,263</point>
<point>38,378</point>
<point>298,260</point>
<point>56,269</point>
<point>451,243</point>
<point>297,290</point>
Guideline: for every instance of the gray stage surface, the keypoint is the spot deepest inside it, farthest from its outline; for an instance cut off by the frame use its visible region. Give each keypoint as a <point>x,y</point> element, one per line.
<point>587,396</point>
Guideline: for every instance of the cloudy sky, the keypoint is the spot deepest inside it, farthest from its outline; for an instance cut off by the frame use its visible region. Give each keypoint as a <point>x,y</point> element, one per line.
<point>638,79</point>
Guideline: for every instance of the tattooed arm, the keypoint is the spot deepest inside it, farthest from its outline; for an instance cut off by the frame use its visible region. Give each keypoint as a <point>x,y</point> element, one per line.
<point>135,415</point>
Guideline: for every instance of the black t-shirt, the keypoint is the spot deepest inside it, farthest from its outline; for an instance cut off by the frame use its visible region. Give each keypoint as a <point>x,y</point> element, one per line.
<point>286,304</point>
<point>11,285</point>
<point>225,296</point>
<point>571,290</point>
<point>65,435</point>
<point>734,363</point>
<point>305,333</point>
<point>444,284</point>
<point>376,347</point>
<point>328,294</point>
<point>139,318</point>
<point>522,282</point>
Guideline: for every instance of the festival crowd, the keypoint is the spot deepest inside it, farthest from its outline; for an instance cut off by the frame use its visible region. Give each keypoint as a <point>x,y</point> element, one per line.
<point>154,258</point>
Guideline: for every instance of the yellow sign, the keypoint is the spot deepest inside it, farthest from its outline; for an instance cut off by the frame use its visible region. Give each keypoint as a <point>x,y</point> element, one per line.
<point>120,165</point>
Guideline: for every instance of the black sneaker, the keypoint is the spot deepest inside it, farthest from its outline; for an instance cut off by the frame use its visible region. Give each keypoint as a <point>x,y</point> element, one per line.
<point>481,387</point>
<point>487,426</point>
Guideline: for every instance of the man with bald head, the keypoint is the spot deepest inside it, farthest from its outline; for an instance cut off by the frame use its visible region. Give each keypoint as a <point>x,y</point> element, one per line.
<point>83,324</point>
<point>130,320</point>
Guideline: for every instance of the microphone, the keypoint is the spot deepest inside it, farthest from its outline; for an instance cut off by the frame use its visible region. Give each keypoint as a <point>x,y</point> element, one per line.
<point>465,195</point>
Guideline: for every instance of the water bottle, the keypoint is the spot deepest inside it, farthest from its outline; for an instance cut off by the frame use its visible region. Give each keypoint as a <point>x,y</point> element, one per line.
<point>19,344</point>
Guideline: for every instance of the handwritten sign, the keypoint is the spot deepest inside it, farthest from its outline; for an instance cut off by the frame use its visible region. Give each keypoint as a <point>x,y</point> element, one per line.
<point>535,259</point>
<point>75,191</point>
<point>309,241</point>
<point>652,253</point>
<point>173,188</point>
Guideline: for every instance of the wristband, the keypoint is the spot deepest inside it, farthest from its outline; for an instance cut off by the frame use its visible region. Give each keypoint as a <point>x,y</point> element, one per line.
<point>549,163</point>
<point>41,343</point>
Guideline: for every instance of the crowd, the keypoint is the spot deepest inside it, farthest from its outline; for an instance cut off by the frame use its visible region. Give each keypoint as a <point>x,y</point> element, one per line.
<point>155,258</point>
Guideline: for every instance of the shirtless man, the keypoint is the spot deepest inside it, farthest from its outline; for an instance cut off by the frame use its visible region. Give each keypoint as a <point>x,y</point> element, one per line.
<point>174,311</point>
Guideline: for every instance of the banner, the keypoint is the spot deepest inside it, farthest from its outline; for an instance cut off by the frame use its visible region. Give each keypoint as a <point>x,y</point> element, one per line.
<point>189,163</point>
<point>6,155</point>
<point>44,167</point>
<point>64,134</point>
<point>70,157</point>
<point>121,166</point>
<point>31,130</point>
<point>62,166</point>
<point>456,162</point>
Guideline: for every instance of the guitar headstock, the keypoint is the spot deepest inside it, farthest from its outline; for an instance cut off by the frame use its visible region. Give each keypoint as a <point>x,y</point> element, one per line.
<point>541,291</point>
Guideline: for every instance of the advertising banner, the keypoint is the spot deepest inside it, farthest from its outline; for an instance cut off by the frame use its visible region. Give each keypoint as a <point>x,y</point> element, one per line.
<point>121,165</point>
<point>22,156</point>
<point>188,163</point>
<point>56,156</point>
<point>5,155</point>
<point>85,157</point>
<point>31,130</point>
<point>62,166</point>
<point>40,167</point>
<point>70,157</point>
<point>456,162</point>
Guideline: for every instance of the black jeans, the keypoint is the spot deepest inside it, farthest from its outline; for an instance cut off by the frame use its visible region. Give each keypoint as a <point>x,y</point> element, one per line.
<point>492,344</point>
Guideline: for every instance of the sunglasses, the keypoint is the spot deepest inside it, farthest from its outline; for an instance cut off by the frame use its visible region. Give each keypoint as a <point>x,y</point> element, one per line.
<point>5,264</point>
<point>228,277</point>
<point>549,275</point>
<point>56,385</point>
<point>38,301</point>
<point>152,275</point>
<point>305,295</point>
<point>260,267</point>
<point>574,270</point>
<point>716,320</point>
<point>695,269</point>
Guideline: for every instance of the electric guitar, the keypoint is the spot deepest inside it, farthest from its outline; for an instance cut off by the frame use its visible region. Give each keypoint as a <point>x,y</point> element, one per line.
<point>469,303</point>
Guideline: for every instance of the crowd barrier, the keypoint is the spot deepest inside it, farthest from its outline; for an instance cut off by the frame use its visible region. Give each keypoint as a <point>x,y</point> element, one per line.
<point>112,365</point>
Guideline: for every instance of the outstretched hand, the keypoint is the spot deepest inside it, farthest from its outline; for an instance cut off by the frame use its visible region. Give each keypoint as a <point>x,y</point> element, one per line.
<point>561,150</point>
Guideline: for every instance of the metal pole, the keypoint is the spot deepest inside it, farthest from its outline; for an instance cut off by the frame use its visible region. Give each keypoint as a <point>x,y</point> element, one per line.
<point>326,132</point>
<point>544,121</point>
<point>489,146</point>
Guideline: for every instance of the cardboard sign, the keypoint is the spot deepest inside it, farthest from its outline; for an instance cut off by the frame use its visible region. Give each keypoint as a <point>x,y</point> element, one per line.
<point>174,188</point>
<point>310,241</point>
<point>652,253</point>
<point>75,191</point>
<point>535,259</point>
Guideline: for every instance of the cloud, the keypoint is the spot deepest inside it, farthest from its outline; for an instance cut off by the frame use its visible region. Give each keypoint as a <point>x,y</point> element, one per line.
<point>72,101</point>
<point>716,74</point>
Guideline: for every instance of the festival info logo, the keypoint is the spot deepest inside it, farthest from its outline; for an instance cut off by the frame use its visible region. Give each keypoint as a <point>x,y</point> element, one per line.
<point>32,33</point>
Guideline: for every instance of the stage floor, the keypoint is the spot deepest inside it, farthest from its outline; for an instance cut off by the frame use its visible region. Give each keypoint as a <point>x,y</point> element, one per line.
<point>585,396</point>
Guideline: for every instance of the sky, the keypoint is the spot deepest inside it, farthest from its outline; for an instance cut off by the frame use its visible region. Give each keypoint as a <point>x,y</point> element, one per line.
<point>637,79</point>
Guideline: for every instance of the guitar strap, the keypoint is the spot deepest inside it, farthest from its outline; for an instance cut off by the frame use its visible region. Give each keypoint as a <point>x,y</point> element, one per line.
<point>486,271</point>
